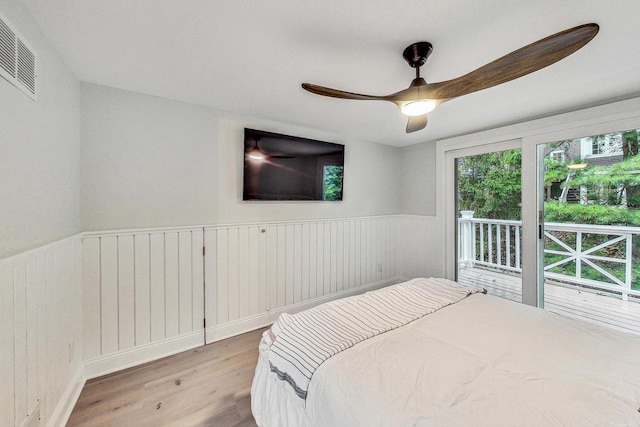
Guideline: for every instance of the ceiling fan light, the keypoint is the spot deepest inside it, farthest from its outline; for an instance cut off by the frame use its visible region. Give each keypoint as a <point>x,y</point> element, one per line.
<point>418,108</point>
<point>256,154</point>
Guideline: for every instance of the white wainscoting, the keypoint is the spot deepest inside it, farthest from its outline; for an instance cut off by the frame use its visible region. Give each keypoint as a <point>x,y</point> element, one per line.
<point>93,304</point>
<point>255,272</point>
<point>147,292</point>
<point>143,296</point>
<point>41,367</point>
<point>419,246</point>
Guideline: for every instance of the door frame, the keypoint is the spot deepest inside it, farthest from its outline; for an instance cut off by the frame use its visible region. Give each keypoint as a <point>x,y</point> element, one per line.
<point>602,119</point>
<point>529,292</point>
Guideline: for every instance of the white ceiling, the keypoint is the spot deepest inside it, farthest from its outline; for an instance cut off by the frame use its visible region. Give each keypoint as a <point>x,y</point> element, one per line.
<point>250,56</point>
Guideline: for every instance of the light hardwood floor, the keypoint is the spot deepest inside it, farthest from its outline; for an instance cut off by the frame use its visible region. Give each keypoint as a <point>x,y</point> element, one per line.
<point>206,386</point>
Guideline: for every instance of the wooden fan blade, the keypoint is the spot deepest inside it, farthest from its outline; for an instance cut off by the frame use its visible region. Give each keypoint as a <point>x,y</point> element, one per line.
<point>416,123</point>
<point>335,93</point>
<point>521,62</point>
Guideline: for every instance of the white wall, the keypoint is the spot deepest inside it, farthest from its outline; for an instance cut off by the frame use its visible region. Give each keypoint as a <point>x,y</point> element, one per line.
<point>146,161</point>
<point>39,148</point>
<point>418,179</point>
<point>40,290</point>
<point>151,162</point>
<point>371,178</point>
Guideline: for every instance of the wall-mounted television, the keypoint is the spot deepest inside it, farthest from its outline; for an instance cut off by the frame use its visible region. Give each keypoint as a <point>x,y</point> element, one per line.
<point>283,167</point>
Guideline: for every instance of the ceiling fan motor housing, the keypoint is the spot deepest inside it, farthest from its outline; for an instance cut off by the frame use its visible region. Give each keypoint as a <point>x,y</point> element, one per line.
<point>416,54</point>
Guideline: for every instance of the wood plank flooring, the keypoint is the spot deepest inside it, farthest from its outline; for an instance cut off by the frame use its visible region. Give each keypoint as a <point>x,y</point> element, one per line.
<point>206,386</point>
<point>572,302</point>
<point>210,385</point>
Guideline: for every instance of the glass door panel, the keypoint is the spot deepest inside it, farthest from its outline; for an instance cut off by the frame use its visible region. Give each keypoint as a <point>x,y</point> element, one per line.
<point>489,222</point>
<point>591,228</point>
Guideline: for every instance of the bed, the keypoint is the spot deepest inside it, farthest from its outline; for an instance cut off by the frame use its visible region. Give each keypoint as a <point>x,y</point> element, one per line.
<point>478,361</point>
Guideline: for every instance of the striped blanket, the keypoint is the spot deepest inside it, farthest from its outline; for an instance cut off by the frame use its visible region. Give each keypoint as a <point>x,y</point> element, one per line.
<point>303,341</point>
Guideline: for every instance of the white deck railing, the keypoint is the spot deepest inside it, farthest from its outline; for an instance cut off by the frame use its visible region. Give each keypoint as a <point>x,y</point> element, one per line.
<point>495,243</point>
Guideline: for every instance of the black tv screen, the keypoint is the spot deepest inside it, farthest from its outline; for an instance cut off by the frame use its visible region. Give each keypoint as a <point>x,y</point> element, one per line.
<point>282,167</point>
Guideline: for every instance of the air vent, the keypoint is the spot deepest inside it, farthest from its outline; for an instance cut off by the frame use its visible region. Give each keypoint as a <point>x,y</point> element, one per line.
<point>17,60</point>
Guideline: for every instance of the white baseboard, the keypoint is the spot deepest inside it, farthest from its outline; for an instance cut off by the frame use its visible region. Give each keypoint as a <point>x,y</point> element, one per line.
<point>240,326</point>
<point>62,411</point>
<point>236,327</point>
<point>108,364</point>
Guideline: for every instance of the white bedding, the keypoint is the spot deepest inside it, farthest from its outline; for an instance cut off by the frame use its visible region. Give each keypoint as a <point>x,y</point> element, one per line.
<point>304,341</point>
<point>484,361</point>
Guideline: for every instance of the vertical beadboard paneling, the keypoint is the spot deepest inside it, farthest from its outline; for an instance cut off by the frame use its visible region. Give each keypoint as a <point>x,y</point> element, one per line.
<point>297,263</point>
<point>313,259</point>
<point>55,341</point>
<point>305,262</point>
<point>281,268</point>
<point>333,254</point>
<point>418,253</point>
<point>211,276</point>
<point>264,271</point>
<point>357,256</point>
<point>222,262</point>
<point>126,293</point>
<point>233,302</point>
<point>340,259</point>
<point>41,308</point>
<point>91,297</point>
<point>272,266</point>
<point>32,333</point>
<point>7,344</point>
<point>326,286</point>
<point>261,268</point>
<point>109,294</point>
<point>351,279</point>
<point>185,280</point>
<point>253,270</point>
<point>40,330</point>
<point>157,286</point>
<point>197,279</point>
<point>143,295</point>
<point>378,248</point>
<point>171,285</point>
<point>142,289</point>
<point>289,263</point>
<point>20,334</point>
<point>392,248</point>
<point>244,265</point>
<point>319,259</point>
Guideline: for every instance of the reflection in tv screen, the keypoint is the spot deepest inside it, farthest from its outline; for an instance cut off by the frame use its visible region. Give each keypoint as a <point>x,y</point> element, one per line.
<point>281,167</point>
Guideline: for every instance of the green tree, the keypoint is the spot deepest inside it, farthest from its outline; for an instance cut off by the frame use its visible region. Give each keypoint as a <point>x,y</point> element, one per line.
<point>554,171</point>
<point>631,149</point>
<point>332,183</point>
<point>607,184</point>
<point>490,184</point>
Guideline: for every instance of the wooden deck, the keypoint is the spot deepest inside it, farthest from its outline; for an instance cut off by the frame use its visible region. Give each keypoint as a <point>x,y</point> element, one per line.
<point>572,302</point>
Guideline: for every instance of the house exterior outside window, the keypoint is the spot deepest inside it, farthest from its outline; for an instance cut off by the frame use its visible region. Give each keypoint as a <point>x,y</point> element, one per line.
<point>557,156</point>
<point>604,145</point>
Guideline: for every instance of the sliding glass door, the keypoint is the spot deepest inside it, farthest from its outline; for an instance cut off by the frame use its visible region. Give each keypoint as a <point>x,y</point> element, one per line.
<point>487,201</point>
<point>589,191</point>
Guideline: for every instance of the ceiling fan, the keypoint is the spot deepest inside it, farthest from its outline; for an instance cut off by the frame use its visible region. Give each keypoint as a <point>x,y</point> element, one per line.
<point>421,97</point>
<point>256,153</point>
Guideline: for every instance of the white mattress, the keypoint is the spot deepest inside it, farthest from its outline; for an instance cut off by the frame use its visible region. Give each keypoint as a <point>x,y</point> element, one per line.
<point>484,361</point>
